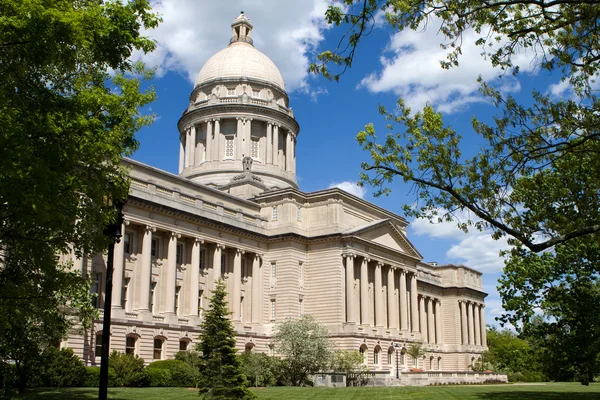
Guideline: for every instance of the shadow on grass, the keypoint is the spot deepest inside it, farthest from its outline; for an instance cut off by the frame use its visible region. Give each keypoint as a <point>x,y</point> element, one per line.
<point>66,394</point>
<point>549,395</point>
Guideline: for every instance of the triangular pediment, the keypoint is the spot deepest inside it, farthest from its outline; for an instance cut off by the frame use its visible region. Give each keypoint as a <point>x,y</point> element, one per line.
<point>384,233</point>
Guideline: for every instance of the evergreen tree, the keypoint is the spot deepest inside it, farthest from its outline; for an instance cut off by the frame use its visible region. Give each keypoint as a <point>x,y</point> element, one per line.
<point>221,372</point>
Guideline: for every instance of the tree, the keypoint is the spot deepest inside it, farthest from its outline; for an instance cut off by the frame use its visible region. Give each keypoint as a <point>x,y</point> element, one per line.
<point>351,363</point>
<point>220,372</point>
<point>304,346</point>
<point>415,350</point>
<point>259,368</point>
<point>70,101</point>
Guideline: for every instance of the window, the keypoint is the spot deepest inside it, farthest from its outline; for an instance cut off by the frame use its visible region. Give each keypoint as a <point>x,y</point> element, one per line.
<point>127,242</point>
<point>300,308</point>
<point>179,256</point>
<point>244,269</point>
<point>223,265</point>
<point>154,248</point>
<point>390,356</point>
<point>152,299</point>
<point>202,258</point>
<point>299,214</point>
<point>242,309</point>
<point>200,302</point>
<point>273,270</point>
<point>362,350</point>
<point>229,147</point>
<point>254,148</point>
<point>158,344</point>
<point>300,268</point>
<point>273,310</point>
<point>376,357</point>
<point>183,344</point>
<point>274,214</point>
<point>96,290</point>
<point>125,293</point>
<point>98,348</point>
<point>130,345</point>
<point>177,291</point>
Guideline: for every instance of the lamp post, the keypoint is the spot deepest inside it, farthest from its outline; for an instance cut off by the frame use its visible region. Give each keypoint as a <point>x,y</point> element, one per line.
<point>397,369</point>
<point>113,232</point>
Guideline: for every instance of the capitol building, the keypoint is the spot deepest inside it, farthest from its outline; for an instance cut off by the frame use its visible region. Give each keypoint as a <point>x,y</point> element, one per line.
<point>235,212</point>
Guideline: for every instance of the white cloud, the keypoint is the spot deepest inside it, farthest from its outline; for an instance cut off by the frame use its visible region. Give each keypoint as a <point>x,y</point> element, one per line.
<point>350,187</point>
<point>411,68</point>
<point>287,31</point>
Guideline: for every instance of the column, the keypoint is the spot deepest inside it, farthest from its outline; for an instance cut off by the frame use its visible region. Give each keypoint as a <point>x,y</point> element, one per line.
<point>194,276</point>
<point>294,140</point>
<point>192,145</point>
<point>438,322</point>
<point>181,152</point>
<point>236,287</point>
<point>350,311</point>
<point>269,145</point>
<point>169,302</point>
<point>239,139</point>
<point>217,140</point>
<point>471,327</point>
<point>288,151</point>
<point>423,320</point>
<point>463,322</point>
<point>379,315</point>
<point>247,136</point>
<point>392,299</point>
<point>477,325</point>
<point>483,327</point>
<point>403,302</point>
<point>209,140</point>
<point>216,264</point>
<point>118,264</point>
<point>364,292</point>
<point>256,285</point>
<point>413,304</point>
<point>276,145</point>
<point>187,148</point>
<point>430,321</point>
<point>146,270</point>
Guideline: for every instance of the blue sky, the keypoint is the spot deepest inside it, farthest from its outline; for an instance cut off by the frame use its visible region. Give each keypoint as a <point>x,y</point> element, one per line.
<point>387,65</point>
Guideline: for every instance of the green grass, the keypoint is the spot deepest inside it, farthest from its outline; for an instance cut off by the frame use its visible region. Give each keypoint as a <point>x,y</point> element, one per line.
<point>551,391</point>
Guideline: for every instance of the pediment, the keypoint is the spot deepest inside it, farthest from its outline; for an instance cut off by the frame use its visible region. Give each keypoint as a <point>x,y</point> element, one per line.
<point>384,233</point>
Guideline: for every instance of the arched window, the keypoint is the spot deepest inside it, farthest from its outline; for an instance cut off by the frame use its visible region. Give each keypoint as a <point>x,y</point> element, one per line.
<point>390,355</point>
<point>248,348</point>
<point>158,348</point>
<point>183,344</point>
<point>439,363</point>
<point>363,353</point>
<point>130,345</point>
<point>376,353</point>
<point>431,363</point>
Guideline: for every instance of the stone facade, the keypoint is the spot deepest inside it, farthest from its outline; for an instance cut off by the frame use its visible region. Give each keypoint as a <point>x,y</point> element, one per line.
<point>235,212</point>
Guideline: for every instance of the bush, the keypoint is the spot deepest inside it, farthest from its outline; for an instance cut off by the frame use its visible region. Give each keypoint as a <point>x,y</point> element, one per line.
<point>181,374</point>
<point>159,377</point>
<point>62,368</point>
<point>128,369</point>
<point>92,377</point>
<point>260,369</point>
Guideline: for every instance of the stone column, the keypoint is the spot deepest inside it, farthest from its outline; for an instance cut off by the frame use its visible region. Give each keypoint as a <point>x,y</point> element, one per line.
<point>216,264</point>
<point>118,269</point>
<point>471,325</point>
<point>430,321</point>
<point>217,140</point>
<point>477,325</point>
<point>194,277</point>
<point>350,311</point>
<point>294,141</point>
<point>483,327</point>
<point>403,302</point>
<point>379,302</point>
<point>423,320</point>
<point>364,292</point>
<point>247,136</point>
<point>181,152</point>
<point>438,322</point>
<point>413,303</point>
<point>171,275</point>
<point>269,145</point>
<point>463,322</point>
<point>146,270</point>
<point>392,299</point>
<point>192,145</point>
<point>256,285</point>
<point>288,151</point>
<point>276,145</point>
<point>236,287</point>
<point>187,148</point>
<point>209,140</point>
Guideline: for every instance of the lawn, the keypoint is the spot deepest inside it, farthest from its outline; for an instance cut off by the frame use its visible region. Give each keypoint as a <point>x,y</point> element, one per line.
<point>552,391</point>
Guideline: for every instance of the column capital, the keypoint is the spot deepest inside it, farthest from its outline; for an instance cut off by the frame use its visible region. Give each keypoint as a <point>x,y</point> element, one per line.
<point>259,255</point>
<point>150,228</point>
<point>348,255</point>
<point>240,251</point>
<point>220,246</point>
<point>126,222</point>
<point>380,264</point>
<point>366,259</point>
<point>216,119</point>
<point>198,240</point>
<point>175,235</point>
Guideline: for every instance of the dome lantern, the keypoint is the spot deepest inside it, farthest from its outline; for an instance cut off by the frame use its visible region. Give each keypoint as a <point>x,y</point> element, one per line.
<point>240,30</point>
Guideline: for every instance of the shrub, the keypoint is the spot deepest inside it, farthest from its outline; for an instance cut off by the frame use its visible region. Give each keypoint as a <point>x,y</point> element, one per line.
<point>63,368</point>
<point>181,374</point>
<point>259,368</point>
<point>8,380</point>
<point>158,377</point>
<point>92,377</point>
<point>128,369</point>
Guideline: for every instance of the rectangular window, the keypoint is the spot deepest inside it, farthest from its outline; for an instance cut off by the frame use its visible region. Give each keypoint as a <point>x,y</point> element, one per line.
<point>274,214</point>
<point>299,214</point>
<point>273,310</point>
<point>183,344</point>
<point>152,299</point>
<point>158,343</point>
<point>244,269</point>
<point>254,148</point>
<point>202,258</point>
<point>300,308</point>
<point>229,147</point>
<point>127,242</point>
<point>179,257</point>
<point>124,294</point>
<point>130,345</point>
<point>273,270</point>
<point>97,278</point>
<point>300,272</point>
<point>98,348</point>
<point>177,291</point>
<point>154,248</point>
<point>389,358</point>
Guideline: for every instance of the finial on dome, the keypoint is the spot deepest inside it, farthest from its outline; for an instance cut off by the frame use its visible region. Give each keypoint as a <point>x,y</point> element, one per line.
<point>240,29</point>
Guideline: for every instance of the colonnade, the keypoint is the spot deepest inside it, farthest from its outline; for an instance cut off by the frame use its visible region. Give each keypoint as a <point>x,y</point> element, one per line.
<point>472,323</point>
<point>212,145</point>
<point>403,309</point>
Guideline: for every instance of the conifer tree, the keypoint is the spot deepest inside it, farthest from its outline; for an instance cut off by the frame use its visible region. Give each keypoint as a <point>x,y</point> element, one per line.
<point>221,372</point>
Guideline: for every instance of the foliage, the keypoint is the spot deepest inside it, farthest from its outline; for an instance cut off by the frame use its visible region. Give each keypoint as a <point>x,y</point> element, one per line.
<point>158,377</point>
<point>415,350</point>
<point>128,368</point>
<point>62,368</point>
<point>180,373</point>
<point>65,121</point>
<point>259,368</point>
<point>220,373</point>
<point>351,363</point>
<point>92,377</point>
<point>304,347</point>
<point>192,360</point>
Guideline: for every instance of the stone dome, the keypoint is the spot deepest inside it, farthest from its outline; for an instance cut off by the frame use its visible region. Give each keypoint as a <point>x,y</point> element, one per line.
<point>240,60</point>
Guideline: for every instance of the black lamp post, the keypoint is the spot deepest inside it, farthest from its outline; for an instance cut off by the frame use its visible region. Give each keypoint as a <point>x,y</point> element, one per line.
<point>397,369</point>
<point>113,232</point>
